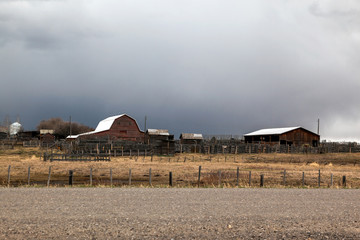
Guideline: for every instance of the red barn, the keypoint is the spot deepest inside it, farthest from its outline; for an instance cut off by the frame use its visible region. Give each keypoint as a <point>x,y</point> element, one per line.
<point>121,127</point>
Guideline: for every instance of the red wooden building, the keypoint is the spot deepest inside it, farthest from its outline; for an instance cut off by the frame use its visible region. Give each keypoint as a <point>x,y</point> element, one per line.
<point>296,136</point>
<point>121,127</point>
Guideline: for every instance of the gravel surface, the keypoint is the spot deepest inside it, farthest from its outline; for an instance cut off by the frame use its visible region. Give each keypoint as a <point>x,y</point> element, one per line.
<point>162,213</point>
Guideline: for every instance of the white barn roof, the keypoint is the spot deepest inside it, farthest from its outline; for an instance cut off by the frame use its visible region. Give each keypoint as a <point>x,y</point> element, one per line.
<point>271,131</point>
<point>106,124</point>
<point>103,125</point>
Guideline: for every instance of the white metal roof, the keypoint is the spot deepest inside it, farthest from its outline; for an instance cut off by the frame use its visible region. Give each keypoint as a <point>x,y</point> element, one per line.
<point>271,131</point>
<point>163,132</point>
<point>191,136</point>
<point>106,124</point>
<point>103,125</point>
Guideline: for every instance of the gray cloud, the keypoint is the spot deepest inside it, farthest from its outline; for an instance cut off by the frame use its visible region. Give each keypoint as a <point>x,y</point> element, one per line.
<point>208,66</point>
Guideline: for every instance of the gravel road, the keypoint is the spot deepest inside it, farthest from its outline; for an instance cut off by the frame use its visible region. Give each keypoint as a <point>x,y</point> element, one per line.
<point>162,213</point>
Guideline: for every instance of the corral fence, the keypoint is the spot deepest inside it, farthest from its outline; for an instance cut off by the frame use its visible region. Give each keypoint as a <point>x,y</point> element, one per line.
<point>230,146</point>
<point>202,177</point>
<point>75,157</point>
<point>219,144</point>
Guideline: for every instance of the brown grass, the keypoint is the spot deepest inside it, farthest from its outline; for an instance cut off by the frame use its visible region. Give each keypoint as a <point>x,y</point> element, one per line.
<point>185,169</point>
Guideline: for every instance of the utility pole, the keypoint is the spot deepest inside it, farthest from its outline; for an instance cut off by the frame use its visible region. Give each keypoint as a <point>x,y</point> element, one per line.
<point>145,130</point>
<point>318,129</point>
<point>145,123</point>
<point>7,125</point>
<point>70,126</point>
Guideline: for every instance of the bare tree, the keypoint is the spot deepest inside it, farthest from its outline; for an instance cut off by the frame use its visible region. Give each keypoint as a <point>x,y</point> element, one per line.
<point>61,127</point>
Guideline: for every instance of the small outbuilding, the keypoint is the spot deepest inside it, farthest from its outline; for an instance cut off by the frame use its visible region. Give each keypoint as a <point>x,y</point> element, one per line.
<point>47,139</point>
<point>191,138</point>
<point>296,136</point>
<point>3,132</point>
<point>161,141</point>
<point>154,135</point>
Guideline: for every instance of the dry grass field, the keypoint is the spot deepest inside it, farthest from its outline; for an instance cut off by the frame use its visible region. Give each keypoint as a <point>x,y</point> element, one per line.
<point>184,168</point>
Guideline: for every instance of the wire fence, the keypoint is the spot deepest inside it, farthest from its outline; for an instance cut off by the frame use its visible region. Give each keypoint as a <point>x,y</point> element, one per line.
<point>202,177</point>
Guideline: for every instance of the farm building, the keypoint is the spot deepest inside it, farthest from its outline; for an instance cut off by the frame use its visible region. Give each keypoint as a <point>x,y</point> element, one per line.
<point>3,132</point>
<point>3,135</point>
<point>28,135</point>
<point>191,142</point>
<point>161,140</point>
<point>191,138</point>
<point>296,136</point>
<point>120,127</point>
<point>47,138</point>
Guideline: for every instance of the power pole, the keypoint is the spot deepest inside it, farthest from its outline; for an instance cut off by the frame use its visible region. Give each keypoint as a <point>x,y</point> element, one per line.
<point>318,129</point>
<point>70,126</point>
<point>145,123</point>
<point>7,125</point>
<point>145,130</point>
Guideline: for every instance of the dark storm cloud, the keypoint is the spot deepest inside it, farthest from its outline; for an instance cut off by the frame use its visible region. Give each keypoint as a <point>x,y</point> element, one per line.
<point>191,66</point>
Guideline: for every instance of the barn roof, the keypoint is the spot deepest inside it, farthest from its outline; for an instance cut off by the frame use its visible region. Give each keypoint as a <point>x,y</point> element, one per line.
<point>163,132</point>
<point>195,136</point>
<point>272,131</point>
<point>106,124</point>
<point>103,125</point>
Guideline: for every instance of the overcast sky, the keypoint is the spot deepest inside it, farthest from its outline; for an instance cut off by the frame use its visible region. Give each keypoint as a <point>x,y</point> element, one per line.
<point>214,67</point>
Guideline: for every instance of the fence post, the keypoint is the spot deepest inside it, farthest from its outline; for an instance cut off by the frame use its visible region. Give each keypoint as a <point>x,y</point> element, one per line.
<point>150,177</point>
<point>331,180</point>
<point>170,179</point>
<point>29,176</point>
<point>319,178</point>
<point>219,178</point>
<point>237,176</point>
<point>249,178</point>
<point>344,181</point>
<point>129,176</point>
<point>303,179</point>
<point>284,178</point>
<point>261,180</point>
<point>199,176</point>
<point>9,169</point>
<point>111,178</point>
<point>91,178</point>
<point>48,181</point>
<point>71,177</point>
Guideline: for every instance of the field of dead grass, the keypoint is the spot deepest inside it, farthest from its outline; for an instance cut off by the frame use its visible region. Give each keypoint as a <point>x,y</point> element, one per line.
<point>184,168</point>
